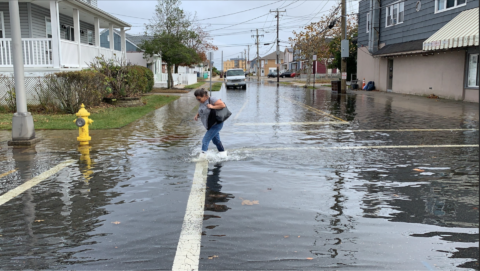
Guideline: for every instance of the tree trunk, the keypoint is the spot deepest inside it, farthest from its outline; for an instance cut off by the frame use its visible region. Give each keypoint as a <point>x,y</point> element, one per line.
<point>176,68</point>
<point>169,76</point>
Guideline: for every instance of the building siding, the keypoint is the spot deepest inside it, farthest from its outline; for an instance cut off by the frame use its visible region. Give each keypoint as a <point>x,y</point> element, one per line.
<point>416,25</point>
<point>38,15</point>
<point>363,8</point>
<point>4,7</point>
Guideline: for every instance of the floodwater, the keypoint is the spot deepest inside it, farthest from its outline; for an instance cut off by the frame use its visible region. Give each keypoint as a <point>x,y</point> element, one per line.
<point>309,184</point>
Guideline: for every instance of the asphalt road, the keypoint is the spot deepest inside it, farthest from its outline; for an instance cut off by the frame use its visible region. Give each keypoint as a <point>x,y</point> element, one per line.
<point>313,181</point>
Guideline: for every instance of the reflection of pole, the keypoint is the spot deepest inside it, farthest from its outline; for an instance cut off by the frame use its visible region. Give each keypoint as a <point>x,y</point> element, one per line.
<point>258,60</point>
<point>344,36</point>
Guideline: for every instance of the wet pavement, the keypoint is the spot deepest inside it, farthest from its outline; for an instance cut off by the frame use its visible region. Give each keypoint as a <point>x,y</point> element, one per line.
<point>314,180</point>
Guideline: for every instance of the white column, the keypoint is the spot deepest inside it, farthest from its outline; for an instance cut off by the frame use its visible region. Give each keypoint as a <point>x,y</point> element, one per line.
<point>96,23</point>
<point>22,121</point>
<point>123,42</point>
<point>76,34</point>
<point>111,35</point>
<point>55,22</point>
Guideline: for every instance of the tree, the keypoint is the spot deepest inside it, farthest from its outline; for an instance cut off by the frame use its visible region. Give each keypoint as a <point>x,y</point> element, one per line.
<point>314,40</point>
<point>334,48</point>
<point>174,32</point>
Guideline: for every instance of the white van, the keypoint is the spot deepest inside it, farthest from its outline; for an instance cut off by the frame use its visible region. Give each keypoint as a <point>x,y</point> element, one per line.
<point>235,78</point>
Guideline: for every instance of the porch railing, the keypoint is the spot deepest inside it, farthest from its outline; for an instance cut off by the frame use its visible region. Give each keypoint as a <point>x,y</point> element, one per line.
<point>36,52</point>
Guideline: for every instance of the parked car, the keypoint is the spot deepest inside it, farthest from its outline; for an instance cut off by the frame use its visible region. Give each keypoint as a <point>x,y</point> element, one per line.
<point>272,74</point>
<point>287,74</point>
<point>235,78</point>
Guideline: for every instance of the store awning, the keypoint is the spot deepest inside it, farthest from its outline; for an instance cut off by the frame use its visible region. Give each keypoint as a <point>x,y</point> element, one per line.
<point>461,31</point>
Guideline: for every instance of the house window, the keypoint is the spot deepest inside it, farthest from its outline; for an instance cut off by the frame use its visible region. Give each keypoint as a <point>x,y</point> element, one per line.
<point>395,14</point>
<point>368,22</point>
<point>90,37</point>
<point>2,26</point>
<point>266,61</point>
<point>69,34</point>
<point>48,27</point>
<point>473,70</point>
<point>442,5</point>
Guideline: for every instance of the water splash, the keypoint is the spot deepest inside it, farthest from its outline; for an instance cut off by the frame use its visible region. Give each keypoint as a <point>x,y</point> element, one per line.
<point>214,156</point>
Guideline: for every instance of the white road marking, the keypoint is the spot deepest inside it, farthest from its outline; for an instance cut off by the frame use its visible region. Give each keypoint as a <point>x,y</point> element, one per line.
<point>360,147</point>
<point>187,256</point>
<point>34,181</point>
<point>290,123</point>
<point>358,131</point>
<point>241,109</point>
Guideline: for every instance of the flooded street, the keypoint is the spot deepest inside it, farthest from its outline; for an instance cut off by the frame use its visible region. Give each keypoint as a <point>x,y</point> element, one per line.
<point>314,180</point>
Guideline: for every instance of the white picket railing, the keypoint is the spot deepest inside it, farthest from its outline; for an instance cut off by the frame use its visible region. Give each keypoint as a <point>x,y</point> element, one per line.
<point>36,52</point>
<point>6,52</point>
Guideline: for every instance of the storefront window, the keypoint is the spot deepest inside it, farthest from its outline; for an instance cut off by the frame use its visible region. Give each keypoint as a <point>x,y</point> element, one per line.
<point>473,70</point>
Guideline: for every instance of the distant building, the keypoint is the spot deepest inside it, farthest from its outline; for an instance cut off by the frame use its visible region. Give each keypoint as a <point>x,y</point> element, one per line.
<point>234,63</point>
<point>269,63</point>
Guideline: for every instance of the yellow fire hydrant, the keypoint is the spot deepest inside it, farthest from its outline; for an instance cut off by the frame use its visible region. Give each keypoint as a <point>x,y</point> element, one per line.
<point>83,122</point>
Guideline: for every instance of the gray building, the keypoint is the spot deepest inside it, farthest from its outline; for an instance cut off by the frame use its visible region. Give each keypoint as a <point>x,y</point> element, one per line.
<point>420,47</point>
<point>105,41</point>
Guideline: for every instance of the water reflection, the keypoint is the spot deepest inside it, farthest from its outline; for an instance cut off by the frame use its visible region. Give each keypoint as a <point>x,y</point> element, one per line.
<point>215,200</point>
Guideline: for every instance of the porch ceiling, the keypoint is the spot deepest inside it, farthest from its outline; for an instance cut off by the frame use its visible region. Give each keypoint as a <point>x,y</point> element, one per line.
<point>87,12</point>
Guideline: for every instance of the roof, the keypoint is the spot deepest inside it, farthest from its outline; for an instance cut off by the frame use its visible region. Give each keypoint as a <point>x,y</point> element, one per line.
<point>409,46</point>
<point>273,55</point>
<point>290,50</point>
<point>138,39</point>
<point>95,10</point>
<point>461,31</point>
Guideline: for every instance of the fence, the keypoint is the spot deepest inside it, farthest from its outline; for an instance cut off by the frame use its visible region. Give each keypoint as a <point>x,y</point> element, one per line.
<point>7,90</point>
<point>184,79</point>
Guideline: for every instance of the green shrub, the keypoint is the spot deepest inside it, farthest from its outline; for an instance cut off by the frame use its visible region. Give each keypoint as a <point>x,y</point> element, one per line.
<point>150,78</point>
<point>71,89</point>
<point>10,96</point>
<point>139,79</point>
<point>45,97</point>
<point>123,79</point>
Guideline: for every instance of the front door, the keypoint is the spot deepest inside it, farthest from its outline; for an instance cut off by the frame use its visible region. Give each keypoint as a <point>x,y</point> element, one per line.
<point>390,75</point>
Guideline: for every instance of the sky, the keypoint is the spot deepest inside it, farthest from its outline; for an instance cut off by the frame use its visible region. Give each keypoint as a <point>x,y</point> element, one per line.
<point>231,23</point>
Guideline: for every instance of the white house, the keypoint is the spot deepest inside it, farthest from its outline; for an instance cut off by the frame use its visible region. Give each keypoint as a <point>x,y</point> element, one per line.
<point>59,35</point>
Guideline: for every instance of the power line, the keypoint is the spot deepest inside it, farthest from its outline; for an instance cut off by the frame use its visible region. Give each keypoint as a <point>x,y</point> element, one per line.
<point>239,23</point>
<point>236,12</point>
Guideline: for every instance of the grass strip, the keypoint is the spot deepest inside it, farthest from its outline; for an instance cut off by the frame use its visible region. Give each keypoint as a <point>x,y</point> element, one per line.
<point>216,86</point>
<point>107,118</point>
<point>196,85</point>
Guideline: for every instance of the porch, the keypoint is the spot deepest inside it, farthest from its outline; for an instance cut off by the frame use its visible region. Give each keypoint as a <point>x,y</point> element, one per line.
<point>59,35</point>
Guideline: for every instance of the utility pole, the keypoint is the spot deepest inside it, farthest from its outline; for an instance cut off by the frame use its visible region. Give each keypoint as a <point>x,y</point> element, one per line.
<point>23,128</point>
<point>245,59</point>
<point>278,41</point>
<point>248,58</point>
<point>343,67</point>
<point>258,56</point>
<point>223,71</point>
